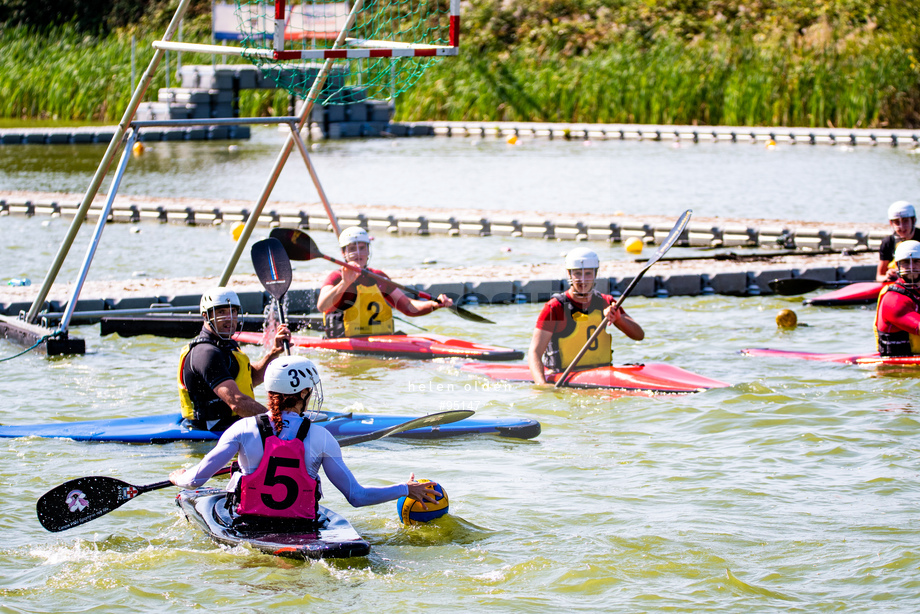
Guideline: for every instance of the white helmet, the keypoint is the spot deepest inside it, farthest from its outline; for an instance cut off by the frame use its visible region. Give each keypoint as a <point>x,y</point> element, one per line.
<point>219,297</point>
<point>290,375</point>
<point>900,209</point>
<point>582,258</point>
<point>907,249</point>
<point>908,252</point>
<point>354,234</point>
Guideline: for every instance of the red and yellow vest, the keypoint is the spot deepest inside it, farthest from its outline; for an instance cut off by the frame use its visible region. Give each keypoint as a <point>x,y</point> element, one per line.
<point>899,342</point>
<point>578,328</point>
<point>370,314</point>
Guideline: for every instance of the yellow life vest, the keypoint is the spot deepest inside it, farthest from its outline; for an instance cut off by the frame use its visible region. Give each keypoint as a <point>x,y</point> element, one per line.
<point>899,342</point>
<point>579,326</point>
<point>243,381</point>
<point>370,314</point>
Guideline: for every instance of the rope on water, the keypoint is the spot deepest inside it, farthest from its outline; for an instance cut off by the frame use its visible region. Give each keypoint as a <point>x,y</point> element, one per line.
<point>37,343</point>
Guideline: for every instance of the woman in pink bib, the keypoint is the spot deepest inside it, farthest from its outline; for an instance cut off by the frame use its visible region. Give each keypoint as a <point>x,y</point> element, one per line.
<point>280,453</point>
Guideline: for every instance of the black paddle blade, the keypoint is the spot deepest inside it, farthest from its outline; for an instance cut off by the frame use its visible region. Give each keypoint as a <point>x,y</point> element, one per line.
<point>272,265</point>
<point>792,286</point>
<point>78,501</point>
<point>444,417</point>
<point>297,243</point>
<point>469,315</point>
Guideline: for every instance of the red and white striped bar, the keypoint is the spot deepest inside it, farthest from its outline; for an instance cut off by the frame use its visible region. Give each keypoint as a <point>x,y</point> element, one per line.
<point>278,39</point>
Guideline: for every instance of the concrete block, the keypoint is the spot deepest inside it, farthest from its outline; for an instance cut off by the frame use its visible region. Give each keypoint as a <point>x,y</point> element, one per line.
<point>136,302</point>
<point>848,240</point>
<point>81,137</point>
<point>253,302</point>
<point>197,133</point>
<point>645,287</point>
<point>240,132</point>
<point>682,285</point>
<point>860,272</point>
<point>218,132</point>
<point>493,291</point>
<point>356,112</point>
<point>185,300</point>
<point>825,273</point>
<point>398,129</point>
<point>174,134</point>
<point>772,236</point>
<point>335,113</point>
<point>731,284</point>
<point>35,138</point>
<point>541,290</point>
<point>57,138</point>
<point>738,236</point>
<point>812,239</point>
<point>373,129</point>
<point>246,77</point>
<point>11,138</point>
<point>453,290</point>
<point>149,135</point>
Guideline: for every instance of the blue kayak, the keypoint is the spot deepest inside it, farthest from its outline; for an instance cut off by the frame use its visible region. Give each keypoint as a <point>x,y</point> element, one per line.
<point>167,428</point>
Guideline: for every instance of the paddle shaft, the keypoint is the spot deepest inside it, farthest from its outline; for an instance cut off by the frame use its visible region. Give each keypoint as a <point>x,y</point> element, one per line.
<point>675,233</point>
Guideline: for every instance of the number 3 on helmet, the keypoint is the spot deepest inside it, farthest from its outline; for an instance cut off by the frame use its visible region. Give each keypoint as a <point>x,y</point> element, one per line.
<point>290,375</point>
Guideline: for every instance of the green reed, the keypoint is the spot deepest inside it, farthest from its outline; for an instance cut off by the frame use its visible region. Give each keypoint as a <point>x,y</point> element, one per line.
<point>727,83</point>
<point>61,75</point>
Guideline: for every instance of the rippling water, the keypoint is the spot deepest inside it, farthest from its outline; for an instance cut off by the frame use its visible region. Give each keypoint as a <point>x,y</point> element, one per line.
<point>795,489</point>
<point>799,182</point>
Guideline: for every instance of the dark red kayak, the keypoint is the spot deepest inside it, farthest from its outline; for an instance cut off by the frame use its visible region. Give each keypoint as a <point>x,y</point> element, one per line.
<point>862,293</point>
<point>654,378</point>
<point>851,359</point>
<point>423,346</point>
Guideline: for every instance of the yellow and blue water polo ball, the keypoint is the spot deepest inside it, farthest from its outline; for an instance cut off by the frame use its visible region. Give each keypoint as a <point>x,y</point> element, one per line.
<point>412,512</point>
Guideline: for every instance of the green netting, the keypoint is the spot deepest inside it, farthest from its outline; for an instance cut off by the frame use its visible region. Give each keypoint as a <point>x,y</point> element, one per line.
<point>315,25</point>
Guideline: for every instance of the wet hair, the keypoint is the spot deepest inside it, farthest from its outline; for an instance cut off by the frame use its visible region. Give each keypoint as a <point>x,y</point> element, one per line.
<point>279,402</point>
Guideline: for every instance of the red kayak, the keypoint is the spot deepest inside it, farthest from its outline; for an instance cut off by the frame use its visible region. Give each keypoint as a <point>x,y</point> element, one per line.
<point>424,346</point>
<point>862,293</point>
<point>850,359</point>
<point>655,378</point>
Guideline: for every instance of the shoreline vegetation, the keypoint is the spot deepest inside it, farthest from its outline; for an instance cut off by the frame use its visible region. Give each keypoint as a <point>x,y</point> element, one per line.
<point>801,63</point>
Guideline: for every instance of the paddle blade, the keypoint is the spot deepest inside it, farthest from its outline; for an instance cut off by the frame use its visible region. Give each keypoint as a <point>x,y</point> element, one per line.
<point>798,285</point>
<point>444,417</point>
<point>469,315</point>
<point>78,501</point>
<point>297,243</point>
<point>272,266</point>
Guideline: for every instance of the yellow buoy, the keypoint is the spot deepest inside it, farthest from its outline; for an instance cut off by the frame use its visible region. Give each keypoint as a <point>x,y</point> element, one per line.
<point>137,149</point>
<point>633,245</point>
<point>512,140</point>
<point>237,230</point>
<point>786,318</point>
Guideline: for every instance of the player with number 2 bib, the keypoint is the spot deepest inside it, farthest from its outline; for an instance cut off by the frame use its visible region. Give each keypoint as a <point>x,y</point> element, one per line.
<point>355,304</point>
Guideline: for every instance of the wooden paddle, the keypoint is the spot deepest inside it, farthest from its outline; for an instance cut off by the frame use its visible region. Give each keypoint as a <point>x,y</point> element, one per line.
<point>675,233</point>
<point>273,268</point>
<point>300,246</point>
<point>790,286</point>
<point>81,500</point>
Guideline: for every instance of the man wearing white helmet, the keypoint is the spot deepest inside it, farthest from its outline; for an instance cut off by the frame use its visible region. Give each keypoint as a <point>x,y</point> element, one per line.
<point>903,220</point>
<point>281,452</point>
<point>355,304</point>
<point>216,379</point>
<point>897,316</point>
<point>568,320</point>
